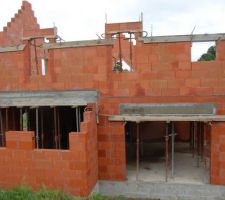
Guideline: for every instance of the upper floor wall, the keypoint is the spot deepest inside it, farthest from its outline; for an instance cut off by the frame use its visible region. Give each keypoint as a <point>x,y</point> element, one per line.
<point>157,68</point>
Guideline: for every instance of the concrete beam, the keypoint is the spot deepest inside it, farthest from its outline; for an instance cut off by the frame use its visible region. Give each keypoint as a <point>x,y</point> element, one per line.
<point>48,98</point>
<point>13,48</point>
<point>184,38</point>
<point>168,109</point>
<point>168,118</point>
<point>75,44</point>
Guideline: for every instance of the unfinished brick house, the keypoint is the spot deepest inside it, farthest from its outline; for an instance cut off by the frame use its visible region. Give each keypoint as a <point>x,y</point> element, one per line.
<point>124,108</point>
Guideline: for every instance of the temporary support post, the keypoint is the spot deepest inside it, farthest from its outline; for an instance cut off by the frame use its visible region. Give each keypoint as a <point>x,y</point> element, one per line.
<point>42,129</point>
<point>167,151</point>
<point>198,143</point>
<point>202,141</point>
<point>21,119</point>
<point>37,129</point>
<point>29,121</point>
<point>137,151</point>
<point>55,128</point>
<point>13,120</point>
<point>141,144</point>
<point>77,120</point>
<point>191,136</point>
<point>2,130</point>
<point>172,150</point>
<point>194,138</point>
<point>6,119</point>
<point>206,131</point>
<point>58,128</point>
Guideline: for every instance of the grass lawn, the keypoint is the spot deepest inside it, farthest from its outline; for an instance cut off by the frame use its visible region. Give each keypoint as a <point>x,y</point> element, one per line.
<point>26,193</point>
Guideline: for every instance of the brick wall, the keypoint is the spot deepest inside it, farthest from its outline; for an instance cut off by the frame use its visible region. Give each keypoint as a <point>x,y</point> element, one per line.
<point>163,73</point>
<point>23,21</point>
<point>218,153</point>
<point>165,69</point>
<point>111,150</point>
<point>74,171</point>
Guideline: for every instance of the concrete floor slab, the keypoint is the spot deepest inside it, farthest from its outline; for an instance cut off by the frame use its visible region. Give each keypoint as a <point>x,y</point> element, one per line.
<point>162,191</point>
<point>185,171</point>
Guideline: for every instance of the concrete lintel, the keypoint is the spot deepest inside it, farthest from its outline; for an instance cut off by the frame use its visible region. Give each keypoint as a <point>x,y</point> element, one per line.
<point>39,37</point>
<point>12,48</point>
<point>184,38</point>
<point>48,98</point>
<point>166,118</point>
<point>75,44</point>
<point>167,109</point>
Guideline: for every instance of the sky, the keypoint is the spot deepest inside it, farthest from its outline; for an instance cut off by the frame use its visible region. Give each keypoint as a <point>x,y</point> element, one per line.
<point>82,19</point>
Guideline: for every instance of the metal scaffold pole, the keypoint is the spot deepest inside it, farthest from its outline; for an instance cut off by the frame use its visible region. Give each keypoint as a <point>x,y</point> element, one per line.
<point>137,152</point>
<point>37,129</point>
<point>167,151</point>
<point>77,120</point>
<point>2,130</point>
<point>172,150</point>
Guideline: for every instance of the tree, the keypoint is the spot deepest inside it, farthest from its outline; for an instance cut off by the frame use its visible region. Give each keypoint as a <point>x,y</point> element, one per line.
<point>210,55</point>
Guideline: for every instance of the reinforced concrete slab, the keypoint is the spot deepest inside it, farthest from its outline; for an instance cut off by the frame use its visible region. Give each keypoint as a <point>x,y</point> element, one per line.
<point>162,191</point>
<point>48,98</point>
<point>186,171</point>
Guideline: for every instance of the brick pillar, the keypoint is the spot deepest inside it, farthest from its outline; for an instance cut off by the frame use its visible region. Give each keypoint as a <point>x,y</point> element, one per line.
<point>111,151</point>
<point>217,173</point>
<point>83,147</point>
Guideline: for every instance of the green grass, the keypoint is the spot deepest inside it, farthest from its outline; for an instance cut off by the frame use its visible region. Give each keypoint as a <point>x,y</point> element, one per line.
<point>101,197</point>
<point>24,192</point>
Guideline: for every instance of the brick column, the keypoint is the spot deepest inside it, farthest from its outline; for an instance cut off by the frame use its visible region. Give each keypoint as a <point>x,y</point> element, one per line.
<point>217,173</point>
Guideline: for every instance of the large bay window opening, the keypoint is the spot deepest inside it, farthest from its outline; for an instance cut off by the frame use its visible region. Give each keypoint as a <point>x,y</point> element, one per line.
<point>51,125</point>
<point>175,152</point>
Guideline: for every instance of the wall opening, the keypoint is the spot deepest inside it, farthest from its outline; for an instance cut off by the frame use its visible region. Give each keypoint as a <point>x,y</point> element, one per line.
<point>188,163</point>
<point>203,51</point>
<point>54,124</point>
<point>43,66</point>
<point>122,66</point>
